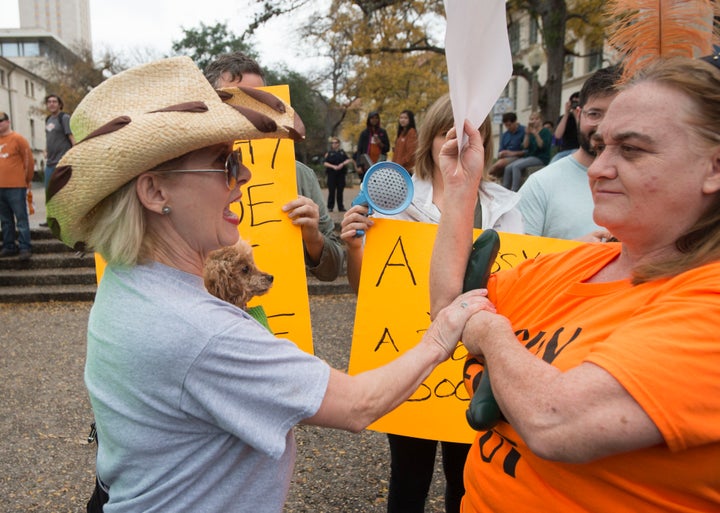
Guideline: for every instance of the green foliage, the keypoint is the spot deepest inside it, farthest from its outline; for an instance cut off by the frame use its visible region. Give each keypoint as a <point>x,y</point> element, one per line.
<point>381,51</point>
<point>206,42</point>
<point>385,56</point>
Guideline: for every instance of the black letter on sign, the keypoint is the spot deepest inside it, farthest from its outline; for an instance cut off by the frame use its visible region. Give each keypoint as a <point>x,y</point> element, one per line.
<point>253,205</point>
<point>397,245</point>
<point>274,155</point>
<point>383,341</point>
<point>238,146</point>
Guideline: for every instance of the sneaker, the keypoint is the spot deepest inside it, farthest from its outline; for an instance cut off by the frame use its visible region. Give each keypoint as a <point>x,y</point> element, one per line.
<point>25,254</point>
<point>8,252</point>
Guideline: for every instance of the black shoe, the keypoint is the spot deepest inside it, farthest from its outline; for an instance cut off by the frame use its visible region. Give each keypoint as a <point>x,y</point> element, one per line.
<point>44,225</point>
<point>342,209</point>
<point>25,254</point>
<point>8,253</point>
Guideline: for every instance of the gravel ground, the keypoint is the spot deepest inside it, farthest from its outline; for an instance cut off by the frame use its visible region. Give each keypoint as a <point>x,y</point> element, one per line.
<point>46,464</point>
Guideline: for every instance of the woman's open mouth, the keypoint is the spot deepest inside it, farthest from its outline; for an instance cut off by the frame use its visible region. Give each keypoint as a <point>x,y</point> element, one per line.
<point>229,215</point>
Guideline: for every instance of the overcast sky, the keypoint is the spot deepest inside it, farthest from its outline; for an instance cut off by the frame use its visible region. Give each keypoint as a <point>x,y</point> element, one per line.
<point>135,25</point>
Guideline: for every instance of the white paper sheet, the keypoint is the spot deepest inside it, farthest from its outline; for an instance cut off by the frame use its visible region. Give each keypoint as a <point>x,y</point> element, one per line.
<point>479,63</point>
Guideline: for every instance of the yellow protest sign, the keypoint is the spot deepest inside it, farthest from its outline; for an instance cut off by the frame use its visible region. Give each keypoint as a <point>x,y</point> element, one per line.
<point>393,312</point>
<point>277,244</point>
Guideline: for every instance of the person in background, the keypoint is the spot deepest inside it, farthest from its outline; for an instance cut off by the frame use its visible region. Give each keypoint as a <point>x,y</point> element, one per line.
<point>373,144</point>
<point>537,144</point>
<point>510,145</point>
<point>16,173</point>
<point>58,135</point>
<point>406,141</point>
<point>551,126</point>
<point>324,253</point>
<point>604,359</point>
<point>335,162</point>
<point>556,201</point>
<point>567,128</point>
<point>172,370</point>
<point>413,459</point>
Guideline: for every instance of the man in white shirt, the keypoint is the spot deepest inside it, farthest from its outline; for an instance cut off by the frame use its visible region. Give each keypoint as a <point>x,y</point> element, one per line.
<point>556,201</point>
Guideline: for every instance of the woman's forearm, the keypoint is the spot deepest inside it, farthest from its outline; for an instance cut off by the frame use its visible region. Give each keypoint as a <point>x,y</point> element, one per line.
<point>462,175</point>
<point>354,266</point>
<point>451,250</point>
<point>574,416</point>
<point>353,402</point>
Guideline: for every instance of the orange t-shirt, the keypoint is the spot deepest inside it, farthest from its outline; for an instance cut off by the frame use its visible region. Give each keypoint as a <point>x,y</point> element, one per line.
<point>659,340</point>
<point>16,161</point>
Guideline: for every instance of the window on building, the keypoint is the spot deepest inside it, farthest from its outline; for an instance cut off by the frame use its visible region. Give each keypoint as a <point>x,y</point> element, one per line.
<point>27,88</point>
<point>506,91</point>
<point>31,49</point>
<point>2,78</point>
<point>568,68</point>
<point>595,60</point>
<point>9,49</point>
<point>512,91</point>
<point>529,99</point>
<point>32,134</point>
<point>533,36</point>
<point>514,36</point>
<point>32,89</point>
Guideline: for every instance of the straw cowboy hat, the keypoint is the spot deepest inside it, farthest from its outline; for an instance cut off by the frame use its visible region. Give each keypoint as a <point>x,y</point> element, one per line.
<point>143,117</point>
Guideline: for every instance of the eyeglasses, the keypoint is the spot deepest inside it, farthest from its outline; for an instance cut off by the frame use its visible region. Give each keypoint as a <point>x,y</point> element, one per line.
<point>592,115</point>
<point>232,169</point>
<point>336,142</point>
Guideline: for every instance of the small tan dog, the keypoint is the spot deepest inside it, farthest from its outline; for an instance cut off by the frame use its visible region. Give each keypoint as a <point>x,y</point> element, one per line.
<point>231,274</point>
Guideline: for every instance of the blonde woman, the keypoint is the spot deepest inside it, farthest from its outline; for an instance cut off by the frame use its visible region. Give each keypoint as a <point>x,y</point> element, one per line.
<point>413,459</point>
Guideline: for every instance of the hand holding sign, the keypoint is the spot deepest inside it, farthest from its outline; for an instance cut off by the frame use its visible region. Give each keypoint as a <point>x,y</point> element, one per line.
<point>386,188</point>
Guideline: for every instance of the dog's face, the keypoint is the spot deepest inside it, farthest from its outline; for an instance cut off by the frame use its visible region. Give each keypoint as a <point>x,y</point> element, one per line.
<point>231,274</point>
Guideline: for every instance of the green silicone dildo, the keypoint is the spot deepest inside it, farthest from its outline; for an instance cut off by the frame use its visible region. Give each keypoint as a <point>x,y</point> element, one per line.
<point>484,411</point>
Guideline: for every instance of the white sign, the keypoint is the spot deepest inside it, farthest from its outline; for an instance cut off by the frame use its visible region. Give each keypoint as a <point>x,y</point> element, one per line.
<point>502,105</point>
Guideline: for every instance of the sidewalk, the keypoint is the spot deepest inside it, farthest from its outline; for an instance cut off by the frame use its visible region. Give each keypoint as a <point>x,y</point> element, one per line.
<point>38,192</point>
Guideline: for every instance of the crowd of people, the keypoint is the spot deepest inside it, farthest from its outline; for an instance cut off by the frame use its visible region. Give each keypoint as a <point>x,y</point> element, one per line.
<point>602,358</point>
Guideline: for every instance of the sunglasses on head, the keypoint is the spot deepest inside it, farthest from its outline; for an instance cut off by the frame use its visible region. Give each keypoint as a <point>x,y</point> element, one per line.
<point>232,169</point>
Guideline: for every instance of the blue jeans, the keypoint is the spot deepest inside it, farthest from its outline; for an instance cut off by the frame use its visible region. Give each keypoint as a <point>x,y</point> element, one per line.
<point>49,170</point>
<point>514,171</point>
<point>13,206</point>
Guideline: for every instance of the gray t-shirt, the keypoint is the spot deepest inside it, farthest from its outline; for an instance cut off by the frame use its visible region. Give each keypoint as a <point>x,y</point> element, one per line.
<point>194,400</point>
<point>557,201</point>
<point>57,142</point>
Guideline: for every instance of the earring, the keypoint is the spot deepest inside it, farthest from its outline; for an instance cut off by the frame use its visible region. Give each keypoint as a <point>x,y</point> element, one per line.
<point>166,210</point>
